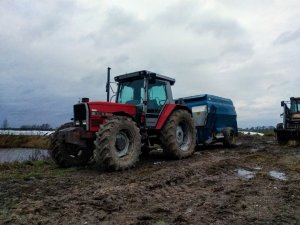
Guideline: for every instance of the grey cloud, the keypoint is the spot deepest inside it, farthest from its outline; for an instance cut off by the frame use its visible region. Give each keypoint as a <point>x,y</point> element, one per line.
<point>119,27</point>
<point>42,19</point>
<point>47,62</point>
<point>234,37</point>
<point>178,13</point>
<point>219,27</point>
<point>240,48</point>
<point>287,37</point>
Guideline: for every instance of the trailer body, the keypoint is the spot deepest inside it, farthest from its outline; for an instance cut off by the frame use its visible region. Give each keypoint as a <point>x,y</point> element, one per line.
<point>212,114</point>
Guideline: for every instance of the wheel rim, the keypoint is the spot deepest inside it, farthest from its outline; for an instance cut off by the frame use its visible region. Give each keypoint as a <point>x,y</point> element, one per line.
<point>183,136</point>
<point>74,151</point>
<point>122,143</point>
<point>232,138</point>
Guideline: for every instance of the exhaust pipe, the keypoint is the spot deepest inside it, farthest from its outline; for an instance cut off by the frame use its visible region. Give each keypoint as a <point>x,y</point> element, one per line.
<point>108,84</point>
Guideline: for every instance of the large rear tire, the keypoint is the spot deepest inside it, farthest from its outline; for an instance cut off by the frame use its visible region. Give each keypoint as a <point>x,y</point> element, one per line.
<point>65,154</point>
<point>178,136</point>
<point>118,144</point>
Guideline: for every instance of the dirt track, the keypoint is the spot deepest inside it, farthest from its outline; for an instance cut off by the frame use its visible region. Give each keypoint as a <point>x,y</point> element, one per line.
<point>203,189</point>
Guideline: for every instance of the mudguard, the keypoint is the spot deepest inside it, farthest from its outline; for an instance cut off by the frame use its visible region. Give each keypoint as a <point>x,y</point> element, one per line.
<point>167,111</point>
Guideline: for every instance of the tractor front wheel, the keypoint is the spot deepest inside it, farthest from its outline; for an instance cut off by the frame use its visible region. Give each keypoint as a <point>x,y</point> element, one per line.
<point>118,144</point>
<point>65,154</point>
<point>178,136</point>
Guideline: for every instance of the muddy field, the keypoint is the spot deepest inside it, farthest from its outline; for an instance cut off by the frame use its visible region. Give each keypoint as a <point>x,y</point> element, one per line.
<point>257,182</point>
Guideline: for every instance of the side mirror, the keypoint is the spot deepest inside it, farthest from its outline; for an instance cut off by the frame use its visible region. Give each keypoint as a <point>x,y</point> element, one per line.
<point>282,103</point>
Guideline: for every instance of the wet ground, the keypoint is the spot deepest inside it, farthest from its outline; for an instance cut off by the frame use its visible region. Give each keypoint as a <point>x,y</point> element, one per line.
<point>22,154</point>
<point>257,182</point>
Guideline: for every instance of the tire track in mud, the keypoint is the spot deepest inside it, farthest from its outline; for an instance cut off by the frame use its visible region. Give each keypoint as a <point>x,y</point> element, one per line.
<point>203,189</point>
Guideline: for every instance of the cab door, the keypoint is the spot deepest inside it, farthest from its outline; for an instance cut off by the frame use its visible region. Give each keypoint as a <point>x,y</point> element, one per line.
<point>156,99</point>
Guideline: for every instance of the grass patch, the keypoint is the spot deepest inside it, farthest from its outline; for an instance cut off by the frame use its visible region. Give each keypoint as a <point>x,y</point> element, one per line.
<point>32,169</point>
<point>269,133</point>
<point>24,141</point>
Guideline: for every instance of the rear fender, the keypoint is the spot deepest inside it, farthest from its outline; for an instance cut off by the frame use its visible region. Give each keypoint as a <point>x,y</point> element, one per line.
<point>167,111</point>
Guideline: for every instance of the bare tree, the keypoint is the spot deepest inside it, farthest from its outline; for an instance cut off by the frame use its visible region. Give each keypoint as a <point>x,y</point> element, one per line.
<point>5,124</point>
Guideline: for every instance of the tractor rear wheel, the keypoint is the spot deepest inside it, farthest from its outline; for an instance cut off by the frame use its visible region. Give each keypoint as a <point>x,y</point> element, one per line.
<point>118,144</point>
<point>65,154</point>
<point>229,137</point>
<point>178,136</point>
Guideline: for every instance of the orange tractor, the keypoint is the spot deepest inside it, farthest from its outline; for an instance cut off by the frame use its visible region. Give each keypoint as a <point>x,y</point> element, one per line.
<point>288,132</point>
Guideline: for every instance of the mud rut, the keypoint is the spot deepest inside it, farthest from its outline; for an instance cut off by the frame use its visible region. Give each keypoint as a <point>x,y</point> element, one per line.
<point>203,189</point>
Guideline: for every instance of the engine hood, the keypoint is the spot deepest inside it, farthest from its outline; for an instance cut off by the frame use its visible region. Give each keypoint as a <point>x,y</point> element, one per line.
<point>111,107</point>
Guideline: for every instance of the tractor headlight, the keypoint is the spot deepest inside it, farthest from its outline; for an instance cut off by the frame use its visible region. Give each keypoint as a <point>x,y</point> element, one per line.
<point>77,123</point>
<point>83,122</point>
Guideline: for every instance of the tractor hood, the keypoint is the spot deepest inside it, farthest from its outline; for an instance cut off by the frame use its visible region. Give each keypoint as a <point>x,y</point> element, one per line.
<point>110,107</point>
<point>90,115</point>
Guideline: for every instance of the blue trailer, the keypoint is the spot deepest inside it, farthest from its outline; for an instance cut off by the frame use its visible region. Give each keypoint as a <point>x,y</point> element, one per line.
<point>215,118</point>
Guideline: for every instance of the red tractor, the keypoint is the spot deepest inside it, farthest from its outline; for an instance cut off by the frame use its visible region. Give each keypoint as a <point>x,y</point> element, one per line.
<point>114,134</point>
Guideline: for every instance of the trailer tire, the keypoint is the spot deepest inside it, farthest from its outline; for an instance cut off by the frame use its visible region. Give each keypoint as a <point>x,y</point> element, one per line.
<point>178,136</point>
<point>118,144</point>
<point>229,137</point>
<point>67,155</point>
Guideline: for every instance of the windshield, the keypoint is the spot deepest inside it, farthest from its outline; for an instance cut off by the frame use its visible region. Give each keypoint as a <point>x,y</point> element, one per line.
<point>157,96</point>
<point>131,92</point>
<point>295,106</point>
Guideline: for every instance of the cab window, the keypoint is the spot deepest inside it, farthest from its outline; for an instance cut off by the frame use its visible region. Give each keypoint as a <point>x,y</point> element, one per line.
<point>295,106</point>
<point>131,92</point>
<point>157,96</point>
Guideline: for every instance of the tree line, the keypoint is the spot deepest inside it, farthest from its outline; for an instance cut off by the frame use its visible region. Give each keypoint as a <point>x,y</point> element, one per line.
<point>44,126</point>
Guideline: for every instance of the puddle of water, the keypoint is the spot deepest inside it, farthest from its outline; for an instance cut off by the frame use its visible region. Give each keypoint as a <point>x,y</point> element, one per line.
<point>278,175</point>
<point>22,154</point>
<point>258,168</point>
<point>245,173</point>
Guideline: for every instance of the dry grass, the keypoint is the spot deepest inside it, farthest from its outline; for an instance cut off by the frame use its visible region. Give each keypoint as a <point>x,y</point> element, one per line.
<point>23,141</point>
<point>32,169</point>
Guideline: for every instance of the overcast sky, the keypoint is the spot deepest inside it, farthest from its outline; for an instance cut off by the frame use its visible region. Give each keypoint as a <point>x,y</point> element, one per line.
<point>54,52</point>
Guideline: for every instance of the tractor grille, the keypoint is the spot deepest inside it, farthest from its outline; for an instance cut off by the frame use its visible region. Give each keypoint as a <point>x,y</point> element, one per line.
<point>79,112</point>
<point>80,115</point>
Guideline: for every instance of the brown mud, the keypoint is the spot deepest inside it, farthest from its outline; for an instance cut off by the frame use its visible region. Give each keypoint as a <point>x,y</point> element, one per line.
<point>203,189</point>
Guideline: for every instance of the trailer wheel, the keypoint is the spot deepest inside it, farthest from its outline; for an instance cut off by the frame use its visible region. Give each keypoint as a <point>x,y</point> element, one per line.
<point>229,137</point>
<point>178,136</point>
<point>66,155</point>
<point>118,144</point>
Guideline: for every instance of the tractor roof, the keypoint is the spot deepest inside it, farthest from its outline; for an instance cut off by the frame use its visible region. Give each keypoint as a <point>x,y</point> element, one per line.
<point>297,98</point>
<point>142,74</point>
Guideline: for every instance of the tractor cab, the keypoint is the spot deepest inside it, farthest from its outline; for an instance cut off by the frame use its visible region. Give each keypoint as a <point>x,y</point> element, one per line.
<point>291,113</point>
<point>148,91</point>
<point>288,132</point>
<point>295,108</point>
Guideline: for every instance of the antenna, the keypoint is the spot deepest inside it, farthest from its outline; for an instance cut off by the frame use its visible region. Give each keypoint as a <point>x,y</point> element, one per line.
<point>108,84</point>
